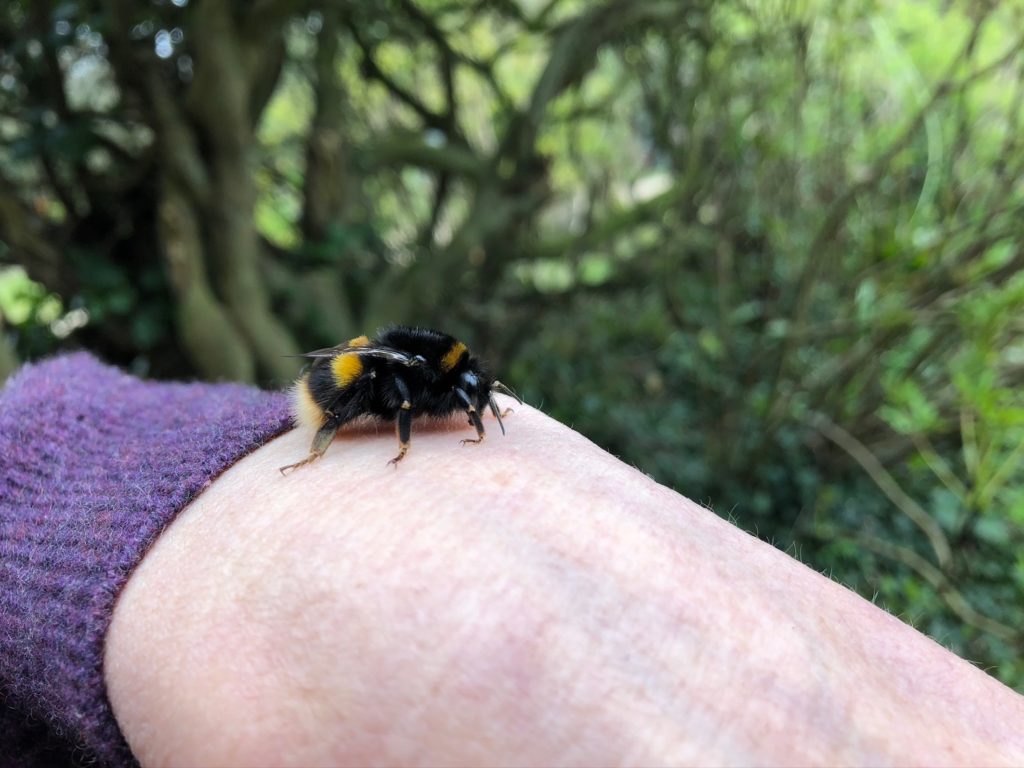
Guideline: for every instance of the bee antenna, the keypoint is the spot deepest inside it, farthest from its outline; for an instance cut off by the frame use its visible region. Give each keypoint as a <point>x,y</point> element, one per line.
<point>506,391</point>
<point>497,412</point>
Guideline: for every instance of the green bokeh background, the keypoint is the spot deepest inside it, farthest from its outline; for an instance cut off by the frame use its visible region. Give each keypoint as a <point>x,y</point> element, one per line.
<point>768,252</point>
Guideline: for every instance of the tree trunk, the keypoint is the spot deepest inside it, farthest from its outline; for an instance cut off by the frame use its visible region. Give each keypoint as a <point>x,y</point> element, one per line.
<point>227,72</point>
<point>205,329</point>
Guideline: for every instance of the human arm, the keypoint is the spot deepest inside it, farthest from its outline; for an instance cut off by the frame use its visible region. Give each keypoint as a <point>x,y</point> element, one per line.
<point>530,600</point>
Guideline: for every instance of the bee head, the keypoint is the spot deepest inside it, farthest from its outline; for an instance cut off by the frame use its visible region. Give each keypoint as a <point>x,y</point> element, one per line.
<point>477,384</point>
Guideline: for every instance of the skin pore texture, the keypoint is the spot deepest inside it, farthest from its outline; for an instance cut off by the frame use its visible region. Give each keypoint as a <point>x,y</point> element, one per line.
<point>527,601</point>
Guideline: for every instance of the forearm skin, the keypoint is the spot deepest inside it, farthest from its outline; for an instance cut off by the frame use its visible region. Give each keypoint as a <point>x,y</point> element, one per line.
<point>527,601</point>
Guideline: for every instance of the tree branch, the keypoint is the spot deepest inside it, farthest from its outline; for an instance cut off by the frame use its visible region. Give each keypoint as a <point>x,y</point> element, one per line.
<point>950,595</point>
<point>447,59</point>
<point>839,210</point>
<point>398,149</point>
<point>888,485</point>
<point>373,71</point>
<point>573,52</point>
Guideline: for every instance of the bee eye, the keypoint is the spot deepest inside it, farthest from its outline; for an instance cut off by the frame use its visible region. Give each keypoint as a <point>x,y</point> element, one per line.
<point>419,360</point>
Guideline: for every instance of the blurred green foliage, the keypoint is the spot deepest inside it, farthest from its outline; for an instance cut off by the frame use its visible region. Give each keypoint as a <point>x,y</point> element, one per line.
<point>768,252</point>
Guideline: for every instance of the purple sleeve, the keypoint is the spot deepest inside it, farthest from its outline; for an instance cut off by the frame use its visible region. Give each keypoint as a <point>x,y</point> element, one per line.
<point>94,464</point>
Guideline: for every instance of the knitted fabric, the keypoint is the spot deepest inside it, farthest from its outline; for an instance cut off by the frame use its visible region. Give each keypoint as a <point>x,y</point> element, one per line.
<point>94,464</point>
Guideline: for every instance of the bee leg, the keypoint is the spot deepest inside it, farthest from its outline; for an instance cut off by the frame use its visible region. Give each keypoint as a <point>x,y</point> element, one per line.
<point>474,417</point>
<point>321,440</point>
<point>404,430</point>
<point>404,421</point>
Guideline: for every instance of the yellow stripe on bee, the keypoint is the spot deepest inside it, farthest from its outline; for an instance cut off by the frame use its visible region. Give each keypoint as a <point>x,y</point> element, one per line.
<point>452,356</point>
<point>305,411</point>
<point>346,369</point>
<point>358,341</point>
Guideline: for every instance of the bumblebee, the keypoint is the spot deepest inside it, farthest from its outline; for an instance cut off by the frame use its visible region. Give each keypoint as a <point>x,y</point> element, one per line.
<point>402,374</point>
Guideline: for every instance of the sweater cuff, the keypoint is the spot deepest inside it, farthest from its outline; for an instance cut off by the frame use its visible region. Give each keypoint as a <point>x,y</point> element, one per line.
<point>94,464</point>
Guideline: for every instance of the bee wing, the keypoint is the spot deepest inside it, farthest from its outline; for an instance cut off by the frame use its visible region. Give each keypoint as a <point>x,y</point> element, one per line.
<point>367,350</point>
<point>325,352</point>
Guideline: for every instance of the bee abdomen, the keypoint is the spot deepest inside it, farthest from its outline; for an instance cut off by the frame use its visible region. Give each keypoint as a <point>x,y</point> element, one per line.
<point>306,412</point>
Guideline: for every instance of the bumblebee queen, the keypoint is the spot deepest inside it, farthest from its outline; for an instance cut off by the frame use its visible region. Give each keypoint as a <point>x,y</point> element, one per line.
<point>400,375</point>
